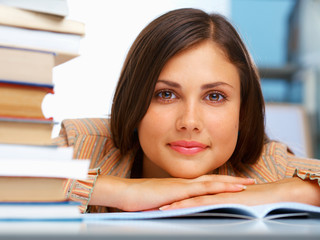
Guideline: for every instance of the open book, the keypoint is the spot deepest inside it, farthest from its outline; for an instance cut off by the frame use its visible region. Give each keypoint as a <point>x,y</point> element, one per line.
<point>266,211</point>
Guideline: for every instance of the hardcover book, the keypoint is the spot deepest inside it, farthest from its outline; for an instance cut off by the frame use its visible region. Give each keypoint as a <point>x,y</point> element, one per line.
<point>65,45</point>
<point>29,131</point>
<point>54,7</point>
<point>22,100</point>
<point>26,66</point>
<point>31,189</point>
<point>16,17</point>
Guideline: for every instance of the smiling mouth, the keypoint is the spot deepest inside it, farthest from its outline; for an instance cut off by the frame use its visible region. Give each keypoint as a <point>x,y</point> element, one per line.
<point>187,147</point>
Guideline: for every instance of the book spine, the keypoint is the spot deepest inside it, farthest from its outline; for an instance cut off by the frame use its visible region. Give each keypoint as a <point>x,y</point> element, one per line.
<point>41,87</point>
<point>39,40</point>
<point>28,50</point>
<point>16,17</point>
<point>5,82</point>
<point>5,118</point>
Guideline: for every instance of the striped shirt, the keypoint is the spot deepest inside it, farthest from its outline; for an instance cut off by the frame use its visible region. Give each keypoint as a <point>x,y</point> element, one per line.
<point>91,139</point>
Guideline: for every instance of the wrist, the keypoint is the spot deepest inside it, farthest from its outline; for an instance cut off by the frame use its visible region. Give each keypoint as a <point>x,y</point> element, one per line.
<point>108,191</point>
<point>304,191</point>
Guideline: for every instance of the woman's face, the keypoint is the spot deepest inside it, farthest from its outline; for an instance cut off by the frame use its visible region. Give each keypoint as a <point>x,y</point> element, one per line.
<point>191,126</point>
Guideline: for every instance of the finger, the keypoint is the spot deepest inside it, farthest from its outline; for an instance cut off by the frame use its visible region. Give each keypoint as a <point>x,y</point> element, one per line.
<point>226,178</point>
<point>211,187</point>
<point>191,202</point>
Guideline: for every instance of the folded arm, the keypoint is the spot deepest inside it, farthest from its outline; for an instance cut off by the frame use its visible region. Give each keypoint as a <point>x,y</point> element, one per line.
<point>146,194</point>
<point>286,190</point>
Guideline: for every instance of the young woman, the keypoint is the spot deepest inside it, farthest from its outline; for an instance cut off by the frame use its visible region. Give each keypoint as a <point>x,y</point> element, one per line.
<point>186,127</point>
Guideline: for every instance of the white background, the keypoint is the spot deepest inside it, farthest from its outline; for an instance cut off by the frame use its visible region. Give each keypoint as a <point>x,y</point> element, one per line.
<point>84,86</point>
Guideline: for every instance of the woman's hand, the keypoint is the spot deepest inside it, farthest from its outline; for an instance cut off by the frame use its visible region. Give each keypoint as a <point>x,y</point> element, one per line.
<point>146,194</point>
<point>286,190</point>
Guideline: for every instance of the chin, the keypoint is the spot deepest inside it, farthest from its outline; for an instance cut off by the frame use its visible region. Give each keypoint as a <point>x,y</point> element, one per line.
<point>187,174</point>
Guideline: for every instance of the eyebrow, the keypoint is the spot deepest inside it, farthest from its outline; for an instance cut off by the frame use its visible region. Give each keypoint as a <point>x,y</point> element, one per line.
<point>215,84</point>
<point>203,87</point>
<point>170,83</point>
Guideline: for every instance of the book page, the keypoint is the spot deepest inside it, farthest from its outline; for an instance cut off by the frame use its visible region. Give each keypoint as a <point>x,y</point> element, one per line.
<point>286,209</point>
<point>220,210</point>
<point>268,211</point>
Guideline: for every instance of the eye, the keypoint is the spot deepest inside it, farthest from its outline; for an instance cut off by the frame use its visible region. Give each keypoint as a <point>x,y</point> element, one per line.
<point>165,95</point>
<point>215,97</point>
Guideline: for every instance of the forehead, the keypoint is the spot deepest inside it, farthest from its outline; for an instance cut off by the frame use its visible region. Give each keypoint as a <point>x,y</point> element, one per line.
<point>205,61</point>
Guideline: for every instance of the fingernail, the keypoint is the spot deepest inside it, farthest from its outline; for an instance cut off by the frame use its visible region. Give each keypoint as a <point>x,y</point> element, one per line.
<point>241,186</point>
<point>164,207</point>
<point>253,180</point>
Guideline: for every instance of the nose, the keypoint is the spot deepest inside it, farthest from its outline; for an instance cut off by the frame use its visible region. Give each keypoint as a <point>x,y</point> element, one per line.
<point>189,118</point>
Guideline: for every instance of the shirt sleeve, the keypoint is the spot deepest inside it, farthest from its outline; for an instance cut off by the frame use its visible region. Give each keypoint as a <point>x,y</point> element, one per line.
<point>77,190</point>
<point>81,190</point>
<point>286,165</point>
<point>305,169</point>
<point>91,139</point>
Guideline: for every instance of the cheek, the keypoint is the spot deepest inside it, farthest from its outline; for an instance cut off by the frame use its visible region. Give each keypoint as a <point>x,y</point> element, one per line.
<point>223,127</point>
<point>156,123</point>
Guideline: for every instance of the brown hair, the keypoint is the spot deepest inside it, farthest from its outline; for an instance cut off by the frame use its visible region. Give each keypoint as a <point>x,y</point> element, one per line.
<point>164,37</point>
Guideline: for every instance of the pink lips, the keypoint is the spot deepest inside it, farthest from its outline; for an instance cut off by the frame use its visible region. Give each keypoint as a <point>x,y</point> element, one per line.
<point>187,147</point>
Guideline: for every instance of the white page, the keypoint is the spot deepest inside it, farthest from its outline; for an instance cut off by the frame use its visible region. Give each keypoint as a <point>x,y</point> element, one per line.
<point>14,151</point>
<point>285,209</point>
<point>75,169</point>
<point>240,210</point>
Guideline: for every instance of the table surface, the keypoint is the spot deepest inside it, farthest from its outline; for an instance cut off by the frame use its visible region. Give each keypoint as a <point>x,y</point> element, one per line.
<point>204,228</point>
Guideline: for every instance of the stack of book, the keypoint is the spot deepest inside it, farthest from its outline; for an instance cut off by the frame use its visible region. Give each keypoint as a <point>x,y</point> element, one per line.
<point>25,79</point>
<point>31,44</point>
<point>32,170</point>
<point>32,182</point>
